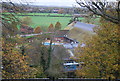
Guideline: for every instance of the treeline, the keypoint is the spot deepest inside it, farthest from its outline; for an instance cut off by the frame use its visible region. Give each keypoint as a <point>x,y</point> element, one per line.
<point>38,9</point>
<point>47,15</point>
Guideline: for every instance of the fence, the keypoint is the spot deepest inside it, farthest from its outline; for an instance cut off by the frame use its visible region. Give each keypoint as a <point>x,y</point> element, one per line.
<point>60,79</point>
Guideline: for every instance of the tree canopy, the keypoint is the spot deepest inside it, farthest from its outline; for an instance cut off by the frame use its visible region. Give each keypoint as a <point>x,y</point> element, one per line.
<point>15,65</point>
<point>51,28</point>
<point>57,26</point>
<point>37,30</point>
<point>26,20</point>
<point>101,54</point>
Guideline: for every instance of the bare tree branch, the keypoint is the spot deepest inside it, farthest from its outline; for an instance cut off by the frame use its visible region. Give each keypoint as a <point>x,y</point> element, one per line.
<point>101,7</point>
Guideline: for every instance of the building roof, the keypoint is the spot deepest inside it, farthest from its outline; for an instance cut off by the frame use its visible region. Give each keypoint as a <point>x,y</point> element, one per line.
<point>80,15</point>
<point>26,29</point>
<point>81,25</point>
<point>61,33</point>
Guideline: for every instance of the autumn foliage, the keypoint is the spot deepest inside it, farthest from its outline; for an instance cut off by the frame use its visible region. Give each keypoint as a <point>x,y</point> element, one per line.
<point>15,65</point>
<point>51,28</point>
<point>101,56</point>
<point>37,30</point>
<point>57,26</point>
<point>26,20</point>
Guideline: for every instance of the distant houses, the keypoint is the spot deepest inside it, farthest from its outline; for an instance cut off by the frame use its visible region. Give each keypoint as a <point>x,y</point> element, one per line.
<point>80,15</point>
<point>60,38</point>
<point>61,35</point>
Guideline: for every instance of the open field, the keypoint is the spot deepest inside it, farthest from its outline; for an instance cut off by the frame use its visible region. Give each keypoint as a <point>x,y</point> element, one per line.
<point>44,20</point>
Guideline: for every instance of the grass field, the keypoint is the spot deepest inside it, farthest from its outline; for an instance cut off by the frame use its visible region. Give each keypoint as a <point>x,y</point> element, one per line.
<point>44,21</point>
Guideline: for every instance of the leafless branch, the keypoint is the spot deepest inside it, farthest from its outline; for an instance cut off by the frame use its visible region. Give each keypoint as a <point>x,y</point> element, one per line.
<point>100,8</point>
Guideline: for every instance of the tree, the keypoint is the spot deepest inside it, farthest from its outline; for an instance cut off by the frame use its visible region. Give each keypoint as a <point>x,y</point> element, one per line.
<point>37,30</point>
<point>51,28</point>
<point>14,64</point>
<point>89,18</point>
<point>57,26</point>
<point>40,55</point>
<point>26,20</point>
<point>58,54</point>
<point>100,8</point>
<point>101,54</point>
<point>70,21</point>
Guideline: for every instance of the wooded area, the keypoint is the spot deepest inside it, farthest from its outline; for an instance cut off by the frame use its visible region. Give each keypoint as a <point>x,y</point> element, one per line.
<point>29,57</point>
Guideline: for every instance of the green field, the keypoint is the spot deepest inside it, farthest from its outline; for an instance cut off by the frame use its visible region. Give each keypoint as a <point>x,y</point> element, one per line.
<point>45,20</point>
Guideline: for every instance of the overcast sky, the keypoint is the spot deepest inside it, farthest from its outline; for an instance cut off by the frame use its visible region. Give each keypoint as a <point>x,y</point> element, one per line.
<point>69,3</point>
